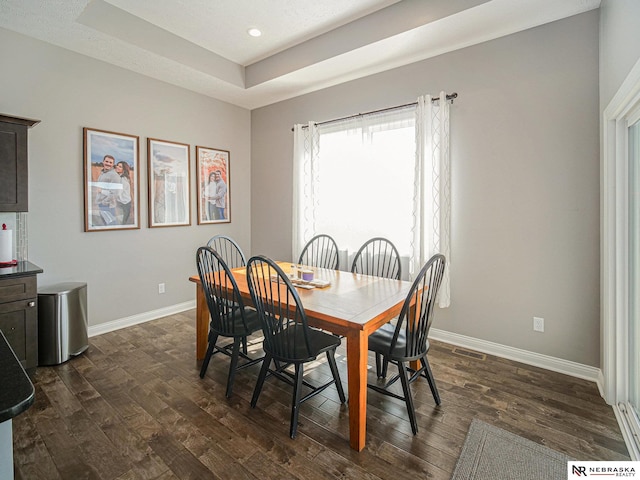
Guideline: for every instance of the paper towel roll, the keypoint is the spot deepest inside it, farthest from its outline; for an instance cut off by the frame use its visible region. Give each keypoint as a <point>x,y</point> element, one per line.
<point>6,246</point>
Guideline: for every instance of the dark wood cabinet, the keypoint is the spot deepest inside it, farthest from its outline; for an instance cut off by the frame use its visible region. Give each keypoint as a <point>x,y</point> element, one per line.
<point>14,190</point>
<point>19,312</point>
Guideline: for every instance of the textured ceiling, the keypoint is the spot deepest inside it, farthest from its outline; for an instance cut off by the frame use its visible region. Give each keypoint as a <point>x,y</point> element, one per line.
<point>221,26</point>
<point>202,45</point>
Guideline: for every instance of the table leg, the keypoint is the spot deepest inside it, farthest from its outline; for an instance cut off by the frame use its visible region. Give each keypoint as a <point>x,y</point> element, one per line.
<point>202,323</point>
<point>357,350</point>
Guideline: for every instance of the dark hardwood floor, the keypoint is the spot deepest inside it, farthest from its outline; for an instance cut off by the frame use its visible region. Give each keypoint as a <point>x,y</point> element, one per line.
<point>134,407</point>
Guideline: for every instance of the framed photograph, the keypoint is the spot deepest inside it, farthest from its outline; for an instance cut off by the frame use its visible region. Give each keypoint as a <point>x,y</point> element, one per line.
<point>169,180</point>
<point>214,200</point>
<point>111,185</point>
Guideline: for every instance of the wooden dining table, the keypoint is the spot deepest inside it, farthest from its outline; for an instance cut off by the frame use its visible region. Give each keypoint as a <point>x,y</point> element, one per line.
<point>352,306</point>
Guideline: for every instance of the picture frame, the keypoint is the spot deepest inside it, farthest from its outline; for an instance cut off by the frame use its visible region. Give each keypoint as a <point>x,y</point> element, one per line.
<point>214,197</point>
<point>169,179</point>
<point>111,180</point>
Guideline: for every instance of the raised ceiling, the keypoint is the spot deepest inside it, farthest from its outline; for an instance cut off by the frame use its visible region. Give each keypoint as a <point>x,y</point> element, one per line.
<point>306,45</point>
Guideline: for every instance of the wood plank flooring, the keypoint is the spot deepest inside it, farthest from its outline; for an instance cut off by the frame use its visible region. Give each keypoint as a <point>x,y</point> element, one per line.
<point>134,407</point>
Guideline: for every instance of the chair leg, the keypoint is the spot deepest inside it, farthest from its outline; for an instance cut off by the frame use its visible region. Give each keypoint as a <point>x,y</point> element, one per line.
<point>295,401</point>
<point>233,366</point>
<point>381,366</point>
<point>260,382</point>
<point>402,369</point>
<point>432,381</point>
<point>244,345</point>
<point>213,338</point>
<point>336,376</point>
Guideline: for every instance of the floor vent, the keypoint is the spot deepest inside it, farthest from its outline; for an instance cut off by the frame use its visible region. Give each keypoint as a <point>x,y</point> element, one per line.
<point>469,353</point>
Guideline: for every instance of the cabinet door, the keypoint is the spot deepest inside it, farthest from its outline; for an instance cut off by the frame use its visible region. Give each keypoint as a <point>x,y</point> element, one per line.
<point>13,321</point>
<point>19,317</point>
<point>19,323</point>
<point>13,165</point>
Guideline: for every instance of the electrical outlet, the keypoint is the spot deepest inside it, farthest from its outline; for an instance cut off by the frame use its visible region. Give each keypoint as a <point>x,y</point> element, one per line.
<point>538,324</point>
<point>161,288</point>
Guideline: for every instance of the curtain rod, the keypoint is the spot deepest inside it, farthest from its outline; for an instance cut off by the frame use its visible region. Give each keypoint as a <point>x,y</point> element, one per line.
<point>397,107</point>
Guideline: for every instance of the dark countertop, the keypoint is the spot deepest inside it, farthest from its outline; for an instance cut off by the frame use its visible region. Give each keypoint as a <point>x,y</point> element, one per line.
<point>23,268</point>
<point>17,393</point>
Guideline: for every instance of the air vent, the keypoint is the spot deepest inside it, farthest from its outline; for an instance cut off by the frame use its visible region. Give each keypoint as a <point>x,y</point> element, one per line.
<point>469,353</point>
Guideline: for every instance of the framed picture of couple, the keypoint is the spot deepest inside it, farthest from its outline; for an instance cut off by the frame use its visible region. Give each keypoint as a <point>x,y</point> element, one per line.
<point>111,181</point>
<point>213,185</point>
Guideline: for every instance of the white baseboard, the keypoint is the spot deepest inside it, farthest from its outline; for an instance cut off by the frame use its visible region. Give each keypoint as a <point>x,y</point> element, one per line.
<point>573,369</point>
<point>140,318</point>
<point>600,383</point>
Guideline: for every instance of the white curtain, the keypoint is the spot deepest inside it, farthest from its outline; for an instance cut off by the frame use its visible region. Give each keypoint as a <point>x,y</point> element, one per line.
<point>384,174</point>
<point>354,181</point>
<point>432,190</point>
<point>305,167</point>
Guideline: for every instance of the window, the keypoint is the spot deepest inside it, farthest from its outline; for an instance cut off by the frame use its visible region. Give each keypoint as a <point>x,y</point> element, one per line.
<point>365,180</point>
<point>383,174</point>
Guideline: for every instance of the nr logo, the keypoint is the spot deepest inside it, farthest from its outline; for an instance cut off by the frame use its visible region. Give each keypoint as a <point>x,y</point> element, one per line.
<point>579,471</point>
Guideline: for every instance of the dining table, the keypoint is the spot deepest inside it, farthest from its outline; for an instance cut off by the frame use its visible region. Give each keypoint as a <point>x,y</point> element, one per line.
<point>351,305</point>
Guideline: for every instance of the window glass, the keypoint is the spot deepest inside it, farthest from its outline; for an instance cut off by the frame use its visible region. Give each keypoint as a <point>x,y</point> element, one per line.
<point>365,181</point>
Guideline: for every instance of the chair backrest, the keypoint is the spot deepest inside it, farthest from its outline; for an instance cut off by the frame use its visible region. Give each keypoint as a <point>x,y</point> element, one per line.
<point>221,292</point>
<point>416,315</point>
<point>229,250</point>
<point>284,322</point>
<point>321,251</point>
<point>378,257</point>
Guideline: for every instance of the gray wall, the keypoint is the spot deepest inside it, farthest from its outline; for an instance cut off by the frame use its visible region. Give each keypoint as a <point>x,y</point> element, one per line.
<point>525,181</point>
<point>525,175</point>
<point>619,44</point>
<point>67,92</point>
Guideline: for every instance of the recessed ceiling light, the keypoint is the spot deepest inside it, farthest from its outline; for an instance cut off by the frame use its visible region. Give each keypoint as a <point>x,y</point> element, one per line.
<point>254,32</point>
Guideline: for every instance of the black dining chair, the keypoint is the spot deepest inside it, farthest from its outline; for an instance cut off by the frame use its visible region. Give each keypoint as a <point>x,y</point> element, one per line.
<point>378,257</point>
<point>229,250</point>
<point>322,252</point>
<point>288,339</point>
<point>407,341</point>
<point>232,255</point>
<point>229,317</point>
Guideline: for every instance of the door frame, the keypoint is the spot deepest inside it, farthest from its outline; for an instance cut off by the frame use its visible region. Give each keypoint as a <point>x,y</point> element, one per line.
<point>615,252</point>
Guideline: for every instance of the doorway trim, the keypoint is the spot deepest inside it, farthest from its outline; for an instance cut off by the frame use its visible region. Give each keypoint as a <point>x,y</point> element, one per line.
<point>615,252</point>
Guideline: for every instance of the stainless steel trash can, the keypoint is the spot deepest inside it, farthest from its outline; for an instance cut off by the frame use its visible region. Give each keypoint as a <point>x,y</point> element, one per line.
<point>62,322</point>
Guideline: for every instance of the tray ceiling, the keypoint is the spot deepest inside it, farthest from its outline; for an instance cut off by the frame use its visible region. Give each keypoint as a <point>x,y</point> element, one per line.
<point>306,45</point>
